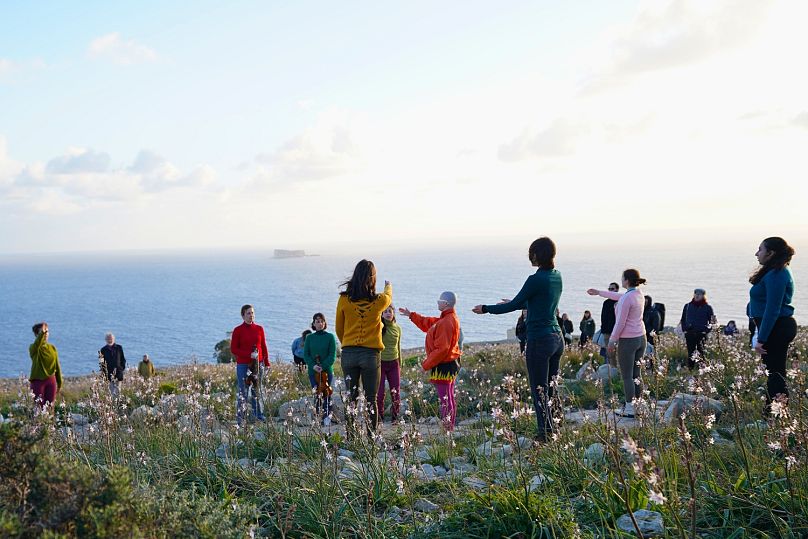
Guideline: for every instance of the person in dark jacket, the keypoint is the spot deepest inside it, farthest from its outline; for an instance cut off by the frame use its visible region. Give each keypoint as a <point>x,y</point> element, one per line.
<point>652,321</point>
<point>697,316</point>
<point>113,363</point>
<point>567,328</point>
<point>731,329</point>
<point>587,327</point>
<point>607,319</point>
<point>521,331</point>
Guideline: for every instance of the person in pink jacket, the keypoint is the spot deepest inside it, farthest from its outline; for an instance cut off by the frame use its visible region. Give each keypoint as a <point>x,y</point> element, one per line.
<point>628,335</point>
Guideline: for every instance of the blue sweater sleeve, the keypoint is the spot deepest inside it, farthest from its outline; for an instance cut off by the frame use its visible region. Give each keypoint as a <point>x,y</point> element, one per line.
<point>776,282</point>
<point>519,302</point>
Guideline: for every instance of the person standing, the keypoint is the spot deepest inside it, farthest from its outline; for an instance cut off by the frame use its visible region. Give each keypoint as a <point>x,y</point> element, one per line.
<point>114,363</point>
<point>359,329</point>
<point>249,345</point>
<point>521,331</point>
<point>697,316</point>
<point>442,353</point>
<point>587,327</point>
<point>628,336</point>
<point>320,353</point>
<point>540,295</point>
<point>146,367</point>
<point>46,371</point>
<point>771,307</point>
<point>297,350</point>
<point>652,321</point>
<point>391,364</point>
<point>567,328</point>
<point>607,319</point>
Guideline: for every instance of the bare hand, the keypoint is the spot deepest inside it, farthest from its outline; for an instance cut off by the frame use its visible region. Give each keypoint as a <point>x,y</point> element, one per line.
<point>478,309</point>
<point>759,349</point>
<point>405,311</point>
<point>593,291</point>
<point>611,349</point>
<point>387,283</point>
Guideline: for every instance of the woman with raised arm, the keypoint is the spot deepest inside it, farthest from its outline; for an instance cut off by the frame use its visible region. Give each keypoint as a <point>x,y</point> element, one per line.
<point>545,345</point>
<point>46,372</point>
<point>628,336</point>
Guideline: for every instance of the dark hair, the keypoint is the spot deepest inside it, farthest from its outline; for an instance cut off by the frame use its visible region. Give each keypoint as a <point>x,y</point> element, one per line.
<point>617,285</point>
<point>648,301</point>
<point>37,327</point>
<point>245,308</point>
<point>633,277</point>
<point>542,252</point>
<point>781,258</point>
<point>306,333</point>
<point>362,284</point>
<point>321,316</point>
<point>587,313</point>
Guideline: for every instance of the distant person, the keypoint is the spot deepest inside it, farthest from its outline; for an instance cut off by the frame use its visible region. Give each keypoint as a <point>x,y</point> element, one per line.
<point>359,329</point>
<point>545,345</point>
<point>114,363</point>
<point>697,316</point>
<point>752,326</point>
<point>731,329</point>
<point>587,327</point>
<point>567,328</point>
<point>390,365</point>
<point>297,350</point>
<point>320,353</point>
<point>652,321</point>
<point>770,304</point>
<point>46,372</point>
<point>521,331</point>
<point>146,367</point>
<point>249,344</point>
<point>607,319</point>
<point>442,353</point>
<point>628,336</point>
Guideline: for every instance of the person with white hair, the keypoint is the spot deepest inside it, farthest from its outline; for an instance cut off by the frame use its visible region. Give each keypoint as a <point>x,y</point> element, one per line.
<point>113,363</point>
<point>442,352</point>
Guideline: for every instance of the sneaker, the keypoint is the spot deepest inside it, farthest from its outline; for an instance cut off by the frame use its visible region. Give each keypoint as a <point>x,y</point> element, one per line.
<point>327,422</point>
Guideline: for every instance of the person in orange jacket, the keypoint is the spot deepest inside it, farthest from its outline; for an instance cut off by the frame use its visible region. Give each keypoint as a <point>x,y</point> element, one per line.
<point>442,352</point>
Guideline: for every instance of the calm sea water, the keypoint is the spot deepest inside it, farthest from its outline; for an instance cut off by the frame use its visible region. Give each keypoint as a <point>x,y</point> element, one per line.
<point>177,307</point>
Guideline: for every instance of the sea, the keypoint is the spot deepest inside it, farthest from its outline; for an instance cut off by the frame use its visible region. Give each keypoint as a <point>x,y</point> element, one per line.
<point>175,306</point>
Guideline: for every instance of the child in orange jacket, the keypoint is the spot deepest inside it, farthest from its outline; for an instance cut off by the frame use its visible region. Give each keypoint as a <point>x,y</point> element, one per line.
<point>442,352</point>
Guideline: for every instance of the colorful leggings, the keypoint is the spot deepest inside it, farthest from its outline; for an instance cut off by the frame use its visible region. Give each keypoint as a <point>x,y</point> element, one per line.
<point>392,373</point>
<point>44,390</point>
<point>448,410</point>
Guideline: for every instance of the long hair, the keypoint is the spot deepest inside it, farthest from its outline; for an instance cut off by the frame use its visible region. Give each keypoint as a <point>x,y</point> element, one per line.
<point>362,284</point>
<point>633,277</point>
<point>782,258</point>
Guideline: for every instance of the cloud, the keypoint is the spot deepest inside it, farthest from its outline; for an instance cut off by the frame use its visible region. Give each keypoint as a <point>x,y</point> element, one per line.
<point>801,120</point>
<point>119,51</point>
<point>556,140</point>
<point>6,66</point>
<point>79,161</point>
<point>676,33</point>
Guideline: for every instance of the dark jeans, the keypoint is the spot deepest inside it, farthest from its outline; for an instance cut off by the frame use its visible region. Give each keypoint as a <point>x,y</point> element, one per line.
<point>542,358</point>
<point>695,341</point>
<point>361,363</point>
<point>783,332</point>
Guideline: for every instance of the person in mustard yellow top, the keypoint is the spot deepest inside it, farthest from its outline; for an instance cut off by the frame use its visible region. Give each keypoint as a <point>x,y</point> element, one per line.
<point>359,329</point>
<point>46,372</point>
<point>442,352</point>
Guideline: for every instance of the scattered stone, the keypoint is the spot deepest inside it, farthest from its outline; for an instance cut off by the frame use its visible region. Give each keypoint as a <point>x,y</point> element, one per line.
<point>475,482</point>
<point>536,481</point>
<point>469,422</point>
<point>524,443</point>
<point>222,451</point>
<point>458,460</point>
<point>607,372</point>
<point>425,506</point>
<point>141,414</point>
<point>595,453</point>
<point>346,453</point>
<point>440,471</point>
<point>79,420</point>
<point>246,463</point>
<point>684,402</point>
<point>433,420</point>
<point>649,522</point>
<point>586,372</point>
<point>462,469</point>
<point>260,436</point>
<point>429,471</point>
<point>485,449</point>
<point>506,451</point>
<point>422,454</point>
<point>296,407</point>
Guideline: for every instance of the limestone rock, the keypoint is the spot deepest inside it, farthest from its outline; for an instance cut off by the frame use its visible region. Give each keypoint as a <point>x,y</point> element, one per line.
<point>649,522</point>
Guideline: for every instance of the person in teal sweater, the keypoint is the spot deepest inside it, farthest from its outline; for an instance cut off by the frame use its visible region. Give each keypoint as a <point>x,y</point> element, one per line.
<point>46,372</point>
<point>320,353</point>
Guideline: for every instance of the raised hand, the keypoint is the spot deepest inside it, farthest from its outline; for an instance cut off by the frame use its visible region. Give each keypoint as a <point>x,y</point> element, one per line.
<point>405,311</point>
<point>593,291</point>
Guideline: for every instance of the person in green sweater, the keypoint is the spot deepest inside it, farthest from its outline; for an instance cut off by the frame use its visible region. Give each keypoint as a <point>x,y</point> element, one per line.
<point>46,372</point>
<point>146,368</point>
<point>391,364</point>
<point>320,353</point>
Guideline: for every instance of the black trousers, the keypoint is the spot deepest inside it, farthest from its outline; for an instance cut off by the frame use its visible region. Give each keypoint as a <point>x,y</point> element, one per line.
<point>695,341</point>
<point>776,357</point>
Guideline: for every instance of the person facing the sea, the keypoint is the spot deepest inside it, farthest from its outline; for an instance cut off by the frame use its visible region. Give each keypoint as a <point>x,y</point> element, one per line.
<point>249,345</point>
<point>607,319</point>
<point>587,327</point>
<point>114,363</point>
<point>146,367</point>
<point>391,364</point>
<point>697,316</point>
<point>46,371</point>
<point>320,353</point>
<point>297,350</point>
<point>442,352</point>
<point>540,295</point>
<point>521,331</point>
<point>359,329</point>
<point>628,336</point>
<point>771,307</point>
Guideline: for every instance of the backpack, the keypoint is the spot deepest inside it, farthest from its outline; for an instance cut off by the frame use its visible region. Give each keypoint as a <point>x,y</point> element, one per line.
<point>660,308</point>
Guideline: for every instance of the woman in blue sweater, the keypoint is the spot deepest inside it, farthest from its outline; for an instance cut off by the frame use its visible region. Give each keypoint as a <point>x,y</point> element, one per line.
<point>770,306</point>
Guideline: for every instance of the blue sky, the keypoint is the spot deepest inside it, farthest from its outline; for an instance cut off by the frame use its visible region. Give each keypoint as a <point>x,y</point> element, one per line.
<point>206,124</point>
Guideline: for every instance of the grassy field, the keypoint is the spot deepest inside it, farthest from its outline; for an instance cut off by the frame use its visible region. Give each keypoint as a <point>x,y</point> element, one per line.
<point>167,459</point>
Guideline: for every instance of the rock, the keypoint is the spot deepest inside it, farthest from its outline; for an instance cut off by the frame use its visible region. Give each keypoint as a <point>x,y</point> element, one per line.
<point>429,471</point>
<point>425,506</point>
<point>185,422</point>
<point>595,453</point>
<point>79,420</point>
<point>458,460</point>
<point>346,453</point>
<point>469,422</point>
<point>649,522</point>
<point>260,436</point>
<point>344,461</point>
<point>506,451</point>
<point>222,451</point>
<point>433,420</point>
<point>475,482</point>
<point>607,372</point>
<point>586,372</point>
<point>683,402</point>
<point>296,407</point>
<point>440,471</point>
<point>463,468</point>
<point>485,449</point>
<point>422,454</point>
<point>246,463</point>
<point>536,481</point>
<point>524,443</point>
<point>141,415</point>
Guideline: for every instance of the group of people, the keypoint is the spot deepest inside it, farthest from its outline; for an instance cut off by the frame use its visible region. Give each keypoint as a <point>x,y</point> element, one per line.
<point>366,327</point>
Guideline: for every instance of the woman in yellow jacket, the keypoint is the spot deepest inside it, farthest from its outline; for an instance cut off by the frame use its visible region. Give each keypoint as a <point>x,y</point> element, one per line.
<point>46,373</point>
<point>358,325</point>
<point>442,352</point>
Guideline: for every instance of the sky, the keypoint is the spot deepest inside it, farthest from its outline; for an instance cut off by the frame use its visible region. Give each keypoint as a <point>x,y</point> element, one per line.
<point>327,125</point>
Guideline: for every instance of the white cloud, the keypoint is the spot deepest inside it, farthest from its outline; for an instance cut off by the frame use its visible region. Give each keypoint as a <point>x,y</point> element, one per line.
<point>119,51</point>
<point>801,120</point>
<point>556,140</point>
<point>6,66</point>
<point>79,161</point>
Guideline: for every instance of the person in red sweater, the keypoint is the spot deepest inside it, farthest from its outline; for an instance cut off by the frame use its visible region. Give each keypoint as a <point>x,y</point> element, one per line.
<point>442,352</point>
<point>248,343</point>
